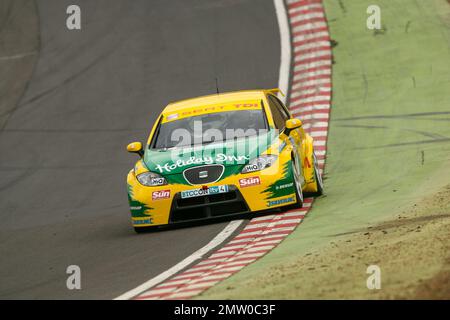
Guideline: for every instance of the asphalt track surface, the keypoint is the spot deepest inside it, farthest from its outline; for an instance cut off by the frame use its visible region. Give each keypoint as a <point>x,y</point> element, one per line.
<point>63,161</point>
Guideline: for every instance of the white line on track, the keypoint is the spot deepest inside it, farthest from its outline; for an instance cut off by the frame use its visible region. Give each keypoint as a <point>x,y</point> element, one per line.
<point>198,255</point>
<point>18,56</point>
<point>285,39</point>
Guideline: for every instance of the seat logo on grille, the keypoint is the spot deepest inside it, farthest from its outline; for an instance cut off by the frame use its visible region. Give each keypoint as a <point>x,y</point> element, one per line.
<point>203,174</point>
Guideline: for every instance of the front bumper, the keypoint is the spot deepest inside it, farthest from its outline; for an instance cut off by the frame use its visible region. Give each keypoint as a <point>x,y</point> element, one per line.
<point>250,192</point>
<point>209,206</point>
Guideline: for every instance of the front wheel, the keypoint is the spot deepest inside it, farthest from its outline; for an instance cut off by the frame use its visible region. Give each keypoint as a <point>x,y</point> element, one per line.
<point>146,229</point>
<point>140,230</point>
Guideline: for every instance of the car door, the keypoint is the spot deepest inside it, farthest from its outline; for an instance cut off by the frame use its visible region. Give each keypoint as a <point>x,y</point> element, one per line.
<point>280,115</point>
<point>283,114</point>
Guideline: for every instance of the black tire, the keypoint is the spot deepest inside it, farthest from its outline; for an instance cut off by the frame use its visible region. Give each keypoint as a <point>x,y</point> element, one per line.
<point>298,189</point>
<point>140,230</point>
<point>317,177</point>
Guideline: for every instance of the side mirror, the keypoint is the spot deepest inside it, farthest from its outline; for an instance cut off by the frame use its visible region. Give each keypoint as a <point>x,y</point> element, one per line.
<point>136,147</point>
<point>292,124</point>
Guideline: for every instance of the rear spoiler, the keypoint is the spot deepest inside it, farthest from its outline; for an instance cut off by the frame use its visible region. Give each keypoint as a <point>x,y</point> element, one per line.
<point>275,91</point>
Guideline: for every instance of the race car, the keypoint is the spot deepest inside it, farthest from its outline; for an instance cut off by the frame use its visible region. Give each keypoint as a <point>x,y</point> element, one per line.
<point>221,155</point>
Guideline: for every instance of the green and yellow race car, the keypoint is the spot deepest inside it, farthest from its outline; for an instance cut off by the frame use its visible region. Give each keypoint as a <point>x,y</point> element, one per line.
<point>221,155</point>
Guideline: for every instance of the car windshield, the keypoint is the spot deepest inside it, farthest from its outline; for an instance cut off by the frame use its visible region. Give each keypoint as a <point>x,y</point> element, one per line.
<point>208,128</point>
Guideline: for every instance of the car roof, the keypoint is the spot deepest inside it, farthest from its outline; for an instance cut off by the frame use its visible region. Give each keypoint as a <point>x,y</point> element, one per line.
<point>218,98</point>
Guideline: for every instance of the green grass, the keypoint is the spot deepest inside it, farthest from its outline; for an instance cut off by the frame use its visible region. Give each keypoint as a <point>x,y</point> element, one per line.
<point>389,139</point>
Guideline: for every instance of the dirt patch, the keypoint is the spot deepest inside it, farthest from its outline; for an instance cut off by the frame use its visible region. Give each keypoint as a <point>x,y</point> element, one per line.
<point>437,287</point>
<point>412,251</point>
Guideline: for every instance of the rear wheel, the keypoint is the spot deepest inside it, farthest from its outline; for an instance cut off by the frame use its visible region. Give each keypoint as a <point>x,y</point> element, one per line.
<point>317,177</point>
<point>297,186</point>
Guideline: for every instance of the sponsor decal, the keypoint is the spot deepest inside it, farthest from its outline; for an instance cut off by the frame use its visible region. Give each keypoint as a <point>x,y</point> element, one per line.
<point>159,195</point>
<point>272,203</point>
<point>138,209</point>
<point>248,182</point>
<point>203,191</point>
<point>157,181</point>
<point>219,108</point>
<point>220,157</point>
<point>142,221</point>
<point>284,186</point>
<point>251,168</point>
<point>216,108</point>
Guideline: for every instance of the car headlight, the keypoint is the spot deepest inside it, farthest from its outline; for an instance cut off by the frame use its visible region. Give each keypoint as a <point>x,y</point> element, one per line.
<point>259,163</point>
<point>151,179</point>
